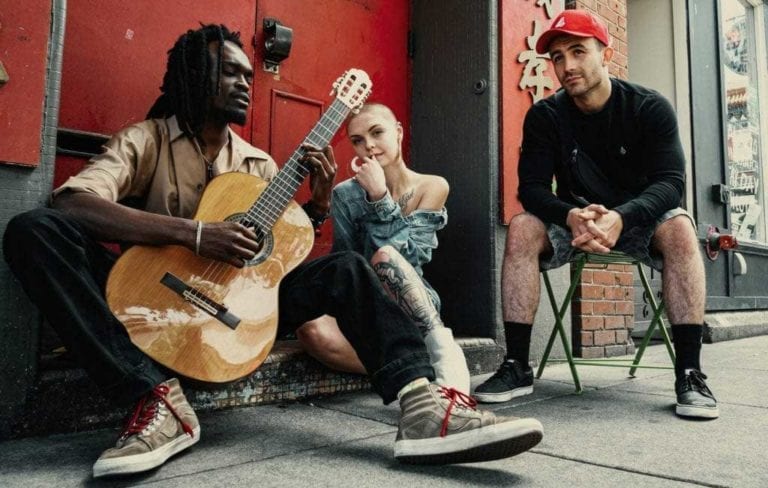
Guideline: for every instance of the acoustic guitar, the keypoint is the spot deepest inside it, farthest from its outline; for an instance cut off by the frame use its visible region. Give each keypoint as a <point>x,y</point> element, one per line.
<point>203,318</point>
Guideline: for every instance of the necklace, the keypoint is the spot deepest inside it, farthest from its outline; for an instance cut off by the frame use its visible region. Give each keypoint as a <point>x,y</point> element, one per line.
<point>208,162</point>
<point>208,166</point>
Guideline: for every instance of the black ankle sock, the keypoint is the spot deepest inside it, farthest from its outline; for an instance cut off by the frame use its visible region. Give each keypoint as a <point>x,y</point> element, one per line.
<point>687,339</point>
<point>518,338</point>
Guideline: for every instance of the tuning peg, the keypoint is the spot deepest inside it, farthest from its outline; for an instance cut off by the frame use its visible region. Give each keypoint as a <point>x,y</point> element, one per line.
<point>336,84</point>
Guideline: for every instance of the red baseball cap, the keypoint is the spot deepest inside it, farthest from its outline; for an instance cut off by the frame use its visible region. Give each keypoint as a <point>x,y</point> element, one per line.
<point>578,23</point>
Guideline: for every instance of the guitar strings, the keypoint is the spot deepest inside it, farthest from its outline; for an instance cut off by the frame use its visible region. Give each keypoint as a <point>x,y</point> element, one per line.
<point>267,205</point>
<point>268,208</point>
<point>260,217</point>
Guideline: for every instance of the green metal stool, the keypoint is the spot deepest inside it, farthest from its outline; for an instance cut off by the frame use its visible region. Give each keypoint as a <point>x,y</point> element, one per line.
<point>580,260</point>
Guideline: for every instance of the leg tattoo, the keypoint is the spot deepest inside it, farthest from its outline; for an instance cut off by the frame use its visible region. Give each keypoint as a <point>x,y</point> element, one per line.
<point>406,287</point>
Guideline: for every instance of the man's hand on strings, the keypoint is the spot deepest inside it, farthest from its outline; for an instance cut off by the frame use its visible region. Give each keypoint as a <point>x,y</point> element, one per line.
<point>322,166</point>
<point>228,242</point>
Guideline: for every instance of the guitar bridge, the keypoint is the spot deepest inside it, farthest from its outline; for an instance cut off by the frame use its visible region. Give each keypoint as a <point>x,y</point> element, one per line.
<point>200,300</point>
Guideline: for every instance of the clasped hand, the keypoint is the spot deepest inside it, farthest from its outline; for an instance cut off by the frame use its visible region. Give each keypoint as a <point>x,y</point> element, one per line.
<point>594,228</point>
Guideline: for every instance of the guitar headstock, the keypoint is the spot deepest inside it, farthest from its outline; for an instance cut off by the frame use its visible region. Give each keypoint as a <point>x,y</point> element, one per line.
<point>352,88</point>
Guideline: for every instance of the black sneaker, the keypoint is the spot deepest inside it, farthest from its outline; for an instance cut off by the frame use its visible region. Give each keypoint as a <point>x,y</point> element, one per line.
<point>441,425</point>
<point>694,398</point>
<point>510,381</point>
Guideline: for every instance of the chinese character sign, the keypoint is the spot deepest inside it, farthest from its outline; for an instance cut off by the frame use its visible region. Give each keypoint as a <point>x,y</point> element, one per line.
<point>534,76</point>
<point>549,7</point>
<point>526,77</point>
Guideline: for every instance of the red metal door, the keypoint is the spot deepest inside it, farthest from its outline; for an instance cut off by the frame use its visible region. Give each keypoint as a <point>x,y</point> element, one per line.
<point>329,37</point>
<point>115,54</point>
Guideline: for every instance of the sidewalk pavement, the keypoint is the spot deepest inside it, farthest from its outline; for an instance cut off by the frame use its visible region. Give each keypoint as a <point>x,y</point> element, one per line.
<point>619,432</point>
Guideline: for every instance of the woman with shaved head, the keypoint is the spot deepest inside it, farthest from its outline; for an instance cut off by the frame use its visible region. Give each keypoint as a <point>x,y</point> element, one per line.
<point>390,214</point>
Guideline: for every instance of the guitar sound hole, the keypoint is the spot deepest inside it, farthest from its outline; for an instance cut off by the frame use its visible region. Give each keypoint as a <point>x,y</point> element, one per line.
<point>267,243</point>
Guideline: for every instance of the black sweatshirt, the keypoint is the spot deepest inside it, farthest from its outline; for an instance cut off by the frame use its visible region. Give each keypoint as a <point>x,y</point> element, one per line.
<point>634,139</point>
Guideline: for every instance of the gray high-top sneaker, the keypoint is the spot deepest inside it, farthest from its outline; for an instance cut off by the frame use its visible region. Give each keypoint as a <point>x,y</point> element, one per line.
<point>162,425</point>
<point>441,425</point>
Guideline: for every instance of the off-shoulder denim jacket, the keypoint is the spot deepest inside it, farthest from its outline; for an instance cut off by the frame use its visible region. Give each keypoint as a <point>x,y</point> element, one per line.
<point>363,226</point>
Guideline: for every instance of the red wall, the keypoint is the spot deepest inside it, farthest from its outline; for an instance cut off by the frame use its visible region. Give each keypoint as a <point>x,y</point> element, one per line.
<point>24,28</point>
<point>115,54</point>
<point>114,60</point>
<point>517,60</point>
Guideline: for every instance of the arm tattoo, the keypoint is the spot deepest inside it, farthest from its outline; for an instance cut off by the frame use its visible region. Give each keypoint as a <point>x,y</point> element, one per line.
<point>408,291</point>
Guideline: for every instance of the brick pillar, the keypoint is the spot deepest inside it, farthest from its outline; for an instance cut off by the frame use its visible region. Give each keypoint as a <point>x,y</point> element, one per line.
<point>603,311</point>
<point>603,305</point>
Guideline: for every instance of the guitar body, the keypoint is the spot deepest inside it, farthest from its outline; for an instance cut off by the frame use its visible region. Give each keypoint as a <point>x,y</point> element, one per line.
<point>187,338</point>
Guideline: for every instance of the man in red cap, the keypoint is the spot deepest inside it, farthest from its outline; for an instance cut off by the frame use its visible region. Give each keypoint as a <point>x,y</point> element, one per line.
<point>615,151</point>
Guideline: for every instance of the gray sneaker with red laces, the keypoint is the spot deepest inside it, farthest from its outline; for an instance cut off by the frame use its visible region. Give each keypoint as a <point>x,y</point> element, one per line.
<point>163,424</point>
<point>441,425</point>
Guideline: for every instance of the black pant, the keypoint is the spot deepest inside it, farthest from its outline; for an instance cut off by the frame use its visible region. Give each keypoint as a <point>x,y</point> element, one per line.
<point>64,271</point>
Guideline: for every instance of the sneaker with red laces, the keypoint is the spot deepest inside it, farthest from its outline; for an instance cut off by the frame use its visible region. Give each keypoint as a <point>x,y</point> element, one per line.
<point>163,424</point>
<point>441,425</point>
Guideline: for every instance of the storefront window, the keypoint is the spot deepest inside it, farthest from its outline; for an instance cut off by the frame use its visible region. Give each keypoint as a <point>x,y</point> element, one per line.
<point>743,67</point>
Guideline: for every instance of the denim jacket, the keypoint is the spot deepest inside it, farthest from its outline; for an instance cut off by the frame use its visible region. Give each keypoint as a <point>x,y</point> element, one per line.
<point>363,226</point>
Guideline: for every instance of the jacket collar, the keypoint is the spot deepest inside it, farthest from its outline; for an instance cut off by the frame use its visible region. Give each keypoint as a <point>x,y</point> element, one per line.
<point>239,146</point>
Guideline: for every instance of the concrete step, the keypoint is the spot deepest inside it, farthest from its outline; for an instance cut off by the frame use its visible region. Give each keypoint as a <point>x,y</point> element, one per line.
<point>66,400</point>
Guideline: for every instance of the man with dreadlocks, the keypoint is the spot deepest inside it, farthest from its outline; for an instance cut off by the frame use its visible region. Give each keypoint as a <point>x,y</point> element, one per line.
<point>143,189</point>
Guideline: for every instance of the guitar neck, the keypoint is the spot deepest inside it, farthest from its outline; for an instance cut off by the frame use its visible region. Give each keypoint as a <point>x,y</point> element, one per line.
<point>270,205</point>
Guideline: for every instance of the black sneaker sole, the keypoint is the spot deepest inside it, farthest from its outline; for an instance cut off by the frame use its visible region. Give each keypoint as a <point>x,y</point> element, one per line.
<point>480,445</point>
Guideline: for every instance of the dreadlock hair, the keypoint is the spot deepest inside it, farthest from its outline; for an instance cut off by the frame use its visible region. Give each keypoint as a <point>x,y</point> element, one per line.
<point>186,84</point>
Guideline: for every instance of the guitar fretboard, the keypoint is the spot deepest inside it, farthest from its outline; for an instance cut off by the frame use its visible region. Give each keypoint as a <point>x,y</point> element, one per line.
<point>271,203</point>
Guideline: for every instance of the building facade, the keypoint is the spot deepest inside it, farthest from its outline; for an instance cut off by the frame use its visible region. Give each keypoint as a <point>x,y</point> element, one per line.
<point>460,75</point>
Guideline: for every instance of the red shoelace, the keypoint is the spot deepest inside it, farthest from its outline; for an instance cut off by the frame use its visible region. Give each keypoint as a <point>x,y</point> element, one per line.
<point>147,409</point>
<point>455,396</point>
